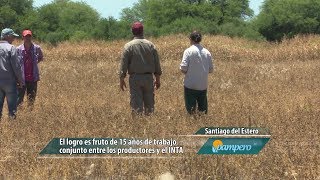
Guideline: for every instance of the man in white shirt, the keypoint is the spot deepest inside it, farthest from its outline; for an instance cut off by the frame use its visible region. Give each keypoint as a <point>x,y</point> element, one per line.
<point>196,65</point>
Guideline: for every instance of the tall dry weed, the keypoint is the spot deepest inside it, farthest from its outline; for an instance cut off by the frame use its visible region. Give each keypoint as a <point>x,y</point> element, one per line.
<point>254,84</point>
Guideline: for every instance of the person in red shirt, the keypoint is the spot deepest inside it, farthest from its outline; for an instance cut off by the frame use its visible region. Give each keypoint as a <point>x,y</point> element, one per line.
<point>30,55</point>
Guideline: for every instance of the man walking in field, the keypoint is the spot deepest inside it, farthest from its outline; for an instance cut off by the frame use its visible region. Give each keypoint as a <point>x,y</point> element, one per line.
<point>30,55</point>
<point>196,65</point>
<point>10,72</point>
<point>141,61</point>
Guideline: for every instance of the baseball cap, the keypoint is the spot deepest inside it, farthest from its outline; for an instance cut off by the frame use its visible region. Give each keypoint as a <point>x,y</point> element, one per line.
<point>8,31</point>
<point>26,32</point>
<point>137,28</point>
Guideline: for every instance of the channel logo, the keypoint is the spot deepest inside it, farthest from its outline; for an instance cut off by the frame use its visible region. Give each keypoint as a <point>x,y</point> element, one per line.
<point>218,146</point>
<point>215,145</point>
<point>233,146</point>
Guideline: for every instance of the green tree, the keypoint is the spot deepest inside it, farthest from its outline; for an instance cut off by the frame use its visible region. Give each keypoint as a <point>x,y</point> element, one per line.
<point>19,6</point>
<point>64,19</point>
<point>34,22</point>
<point>8,17</point>
<point>288,18</point>
<point>188,24</point>
<point>137,13</point>
<point>13,10</point>
<point>178,16</point>
<point>110,29</point>
<point>231,10</point>
<point>77,16</point>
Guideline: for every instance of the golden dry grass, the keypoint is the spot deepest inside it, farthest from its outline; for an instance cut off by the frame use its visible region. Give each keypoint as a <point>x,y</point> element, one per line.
<point>276,86</point>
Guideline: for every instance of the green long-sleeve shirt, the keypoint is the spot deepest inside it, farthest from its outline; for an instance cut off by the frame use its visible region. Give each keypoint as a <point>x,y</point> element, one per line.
<point>139,57</point>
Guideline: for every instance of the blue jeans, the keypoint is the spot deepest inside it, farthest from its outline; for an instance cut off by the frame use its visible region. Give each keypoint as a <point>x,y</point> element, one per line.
<point>9,90</point>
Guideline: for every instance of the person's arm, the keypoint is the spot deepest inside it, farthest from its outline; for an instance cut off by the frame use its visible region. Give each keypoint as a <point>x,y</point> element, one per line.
<point>211,66</point>
<point>158,70</point>
<point>40,54</point>
<point>157,81</point>
<point>184,63</point>
<point>123,68</point>
<point>16,67</point>
<point>122,84</point>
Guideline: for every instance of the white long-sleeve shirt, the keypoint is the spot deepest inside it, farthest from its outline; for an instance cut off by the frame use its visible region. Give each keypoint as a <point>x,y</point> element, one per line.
<point>197,63</point>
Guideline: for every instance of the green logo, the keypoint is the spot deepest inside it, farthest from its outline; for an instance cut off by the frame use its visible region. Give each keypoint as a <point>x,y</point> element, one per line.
<point>233,146</point>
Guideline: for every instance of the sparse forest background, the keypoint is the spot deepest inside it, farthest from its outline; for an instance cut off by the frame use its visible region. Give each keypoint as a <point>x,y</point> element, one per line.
<point>64,20</point>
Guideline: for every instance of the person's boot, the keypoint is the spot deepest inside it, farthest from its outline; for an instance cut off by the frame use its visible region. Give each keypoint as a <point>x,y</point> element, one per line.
<point>12,116</point>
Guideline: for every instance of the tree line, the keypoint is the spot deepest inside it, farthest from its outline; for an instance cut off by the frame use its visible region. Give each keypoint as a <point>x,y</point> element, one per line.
<point>63,20</point>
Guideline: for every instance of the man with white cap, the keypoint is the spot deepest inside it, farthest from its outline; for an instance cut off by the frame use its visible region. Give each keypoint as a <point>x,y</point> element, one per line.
<point>10,72</point>
<point>30,55</point>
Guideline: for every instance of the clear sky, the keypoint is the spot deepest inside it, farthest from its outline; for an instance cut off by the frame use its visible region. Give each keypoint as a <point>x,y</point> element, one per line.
<point>113,8</point>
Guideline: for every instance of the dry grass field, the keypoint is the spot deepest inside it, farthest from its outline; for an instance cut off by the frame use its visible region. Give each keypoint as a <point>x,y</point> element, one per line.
<point>256,84</point>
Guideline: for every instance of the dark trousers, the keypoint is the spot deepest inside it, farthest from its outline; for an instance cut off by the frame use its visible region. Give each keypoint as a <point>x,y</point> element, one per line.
<point>194,98</point>
<point>31,89</point>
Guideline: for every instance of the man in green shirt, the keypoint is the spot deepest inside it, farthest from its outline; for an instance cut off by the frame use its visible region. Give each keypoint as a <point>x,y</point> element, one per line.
<point>141,61</point>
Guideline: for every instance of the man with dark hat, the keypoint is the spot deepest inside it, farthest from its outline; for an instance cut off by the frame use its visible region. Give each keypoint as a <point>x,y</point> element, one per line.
<point>30,55</point>
<point>10,72</point>
<point>141,61</point>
